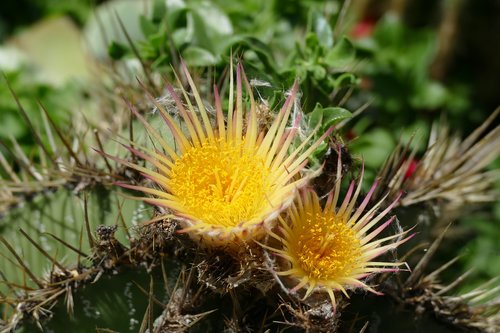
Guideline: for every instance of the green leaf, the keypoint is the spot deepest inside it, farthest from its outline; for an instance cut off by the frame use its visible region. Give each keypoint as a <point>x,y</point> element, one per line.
<point>327,116</point>
<point>262,51</point>
<point>319,72</point>
<point>209,27</point>
<point>323,30</point>
<point>374,146</point>
<point>316,116</point>
<point>196,56</point>
<point>103,22</point>
<point>157,41</point>
<point>163,60</point>
<point>11,126</point>
<point>333,115</point>
<point>342,54</point>
<point>312,41</point>
<point>389,30</point>
<point>430,95</point>
<point>147,27</point>
<point>344,79</point>
<point>117,50</point>
<point>159,10</point>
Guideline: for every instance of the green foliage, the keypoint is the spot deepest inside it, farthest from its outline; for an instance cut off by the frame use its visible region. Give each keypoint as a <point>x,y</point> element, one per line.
<point>32,93</point>
<point>203,35</point>
<point>326,117</point>
<point>397,62</point>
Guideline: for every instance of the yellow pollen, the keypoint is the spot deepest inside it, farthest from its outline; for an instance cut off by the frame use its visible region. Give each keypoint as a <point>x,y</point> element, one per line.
<point>324,247</point>
<point>221,183</point>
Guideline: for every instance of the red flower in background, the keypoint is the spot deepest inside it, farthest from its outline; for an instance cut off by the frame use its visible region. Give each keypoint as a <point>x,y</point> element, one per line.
<point>364,28</point>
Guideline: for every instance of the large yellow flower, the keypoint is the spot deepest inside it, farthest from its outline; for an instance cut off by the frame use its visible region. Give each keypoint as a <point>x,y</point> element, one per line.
<point>226,181</point>
<point>333,248</point>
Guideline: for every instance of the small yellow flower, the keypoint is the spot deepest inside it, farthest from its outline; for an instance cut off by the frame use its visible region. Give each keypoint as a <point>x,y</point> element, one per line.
<point>333,248</point>
<point>225,181</point>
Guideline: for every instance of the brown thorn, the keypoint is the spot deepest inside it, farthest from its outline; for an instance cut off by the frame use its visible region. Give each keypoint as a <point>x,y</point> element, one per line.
<point>145,292</point>
<point>3,279</point>
<point>150,305</point>
<point>365,326</point>
<point>145,321</point>
<point>7,167</point>
<point>60,135</point>
<point>174,51</point>
<point>187,284</point>
<point>13,262</point>
<point>469,141</point>
<point>80,140</point>
<point>422,264</point>
<point>22,159</point>
<point>39,248</point>
<point>165,277</point>
<point>51,298</point>
<point>136,53</point>
<point>177,282</point>
<point>24,115</point>
<point>131,128</point>
<point>80,244</point>
<point>13,285</point>
<point>99,143</point>
<point>5,300</point>
<point>346,97</point>
<point>25,267</point>
<point>438,271</point>
<point>455,283</point>
<point>87,222</point>
<point>356,113</point>
<point>105,330</point>
<point>197,294</point>
<point>340,20</point>
<point>121,218</point>
<point>413,250</point>
<point>71,247</point>
<point>52,269</point>
<point>102,31</point>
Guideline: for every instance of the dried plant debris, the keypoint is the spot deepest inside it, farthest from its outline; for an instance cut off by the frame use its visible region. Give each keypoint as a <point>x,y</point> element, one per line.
<point>452,171</point>
<point>478,309</point>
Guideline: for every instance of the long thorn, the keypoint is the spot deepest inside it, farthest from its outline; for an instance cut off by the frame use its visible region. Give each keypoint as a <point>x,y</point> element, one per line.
<point>23,113</point>
<point>422,264</point>
<point>39,248</point>
<point>61,136</point>
<point>99,143</point>
<point>136,53</point>
<point>121,218</point>
<point>87,222</point>
<point>69,246</point>
<point>21,262</point>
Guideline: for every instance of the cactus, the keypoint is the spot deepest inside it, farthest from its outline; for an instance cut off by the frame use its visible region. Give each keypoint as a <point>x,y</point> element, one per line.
<point>245,219</point>
<point>81,253</point>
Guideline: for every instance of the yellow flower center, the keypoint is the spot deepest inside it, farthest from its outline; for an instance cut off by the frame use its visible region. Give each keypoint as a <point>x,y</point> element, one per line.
<point>221,183</point>
<point>325,247</point>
